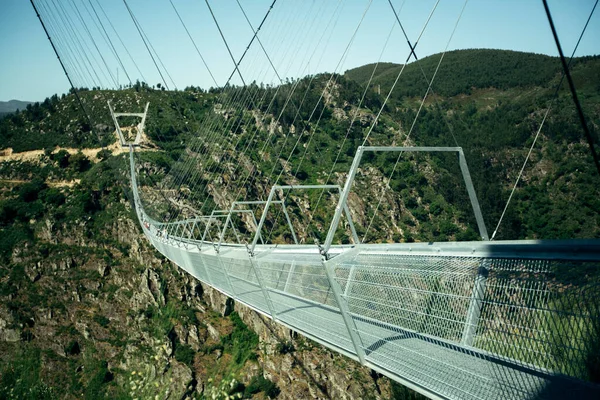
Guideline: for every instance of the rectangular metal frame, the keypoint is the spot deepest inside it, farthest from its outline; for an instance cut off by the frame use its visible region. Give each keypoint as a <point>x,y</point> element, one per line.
<point>342,204</point>
<point>304,187</point>
<point>258,202</point>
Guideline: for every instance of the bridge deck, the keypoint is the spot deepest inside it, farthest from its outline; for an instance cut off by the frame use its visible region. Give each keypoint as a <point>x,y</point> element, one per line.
<point>449,370</point>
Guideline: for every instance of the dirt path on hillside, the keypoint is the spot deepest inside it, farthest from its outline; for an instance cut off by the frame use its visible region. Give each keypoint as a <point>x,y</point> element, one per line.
<point>35,155</point>
<point>92,154</point>
<point>49,183</point>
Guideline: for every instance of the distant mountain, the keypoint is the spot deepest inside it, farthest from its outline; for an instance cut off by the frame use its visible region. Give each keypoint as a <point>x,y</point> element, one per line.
<point>464,70</point>
<point>13,105</point>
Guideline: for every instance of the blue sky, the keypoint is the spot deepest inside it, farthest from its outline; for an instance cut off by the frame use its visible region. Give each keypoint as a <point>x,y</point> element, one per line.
<point>300,36</point>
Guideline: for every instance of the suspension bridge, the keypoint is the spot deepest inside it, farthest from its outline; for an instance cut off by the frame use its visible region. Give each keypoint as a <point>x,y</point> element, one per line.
<point>484,319</point>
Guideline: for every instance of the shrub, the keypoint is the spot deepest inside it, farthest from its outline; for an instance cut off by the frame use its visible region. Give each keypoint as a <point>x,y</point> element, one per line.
<point>241,342</point>
<point>29,192</point>
<point>101,320</point>
<point>53,197</point>
<point>261,384</point>
<point>184,354</point>
<point>285,347</point>
<point>79,162</point>
<point>104,154</point>
<point>62,158</point>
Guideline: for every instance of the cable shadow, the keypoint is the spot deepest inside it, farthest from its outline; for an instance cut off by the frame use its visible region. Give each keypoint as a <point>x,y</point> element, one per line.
<point>382,342</point>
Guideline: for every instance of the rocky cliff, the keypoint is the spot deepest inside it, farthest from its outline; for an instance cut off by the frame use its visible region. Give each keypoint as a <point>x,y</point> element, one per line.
<point>88,308</point>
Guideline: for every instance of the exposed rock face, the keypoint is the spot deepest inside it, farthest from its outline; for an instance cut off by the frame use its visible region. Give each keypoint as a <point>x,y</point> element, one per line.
<point>109,309</point>
<point>301,368</point>
<point>7,334</point>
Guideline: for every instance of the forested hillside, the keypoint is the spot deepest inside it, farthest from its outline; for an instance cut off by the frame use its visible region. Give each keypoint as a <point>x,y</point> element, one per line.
<point>489,102</point>
<point>464,70</point>
<point>88,309</point>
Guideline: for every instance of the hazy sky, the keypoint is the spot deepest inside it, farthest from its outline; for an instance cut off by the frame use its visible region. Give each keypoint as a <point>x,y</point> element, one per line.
<point>300,37</point>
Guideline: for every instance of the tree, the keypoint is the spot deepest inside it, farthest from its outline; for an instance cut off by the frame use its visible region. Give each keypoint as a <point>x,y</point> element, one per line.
<point>62,158</point>
<point>79,162</point>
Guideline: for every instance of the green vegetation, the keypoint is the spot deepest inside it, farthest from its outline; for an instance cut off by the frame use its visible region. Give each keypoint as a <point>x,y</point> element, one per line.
<point>241,343</point>
<point>488,102</point>
<point>20,378</point>
<point>261,384</point>
<point>184,354</point>
<point>100,376</point>
<point>462,71</point>
<point>58,121</point>
<point>285,347</point>
<point>239,347</point>
<point>400,392</point>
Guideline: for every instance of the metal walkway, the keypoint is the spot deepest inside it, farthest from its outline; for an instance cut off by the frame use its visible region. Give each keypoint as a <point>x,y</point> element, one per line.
<point>465,320</point>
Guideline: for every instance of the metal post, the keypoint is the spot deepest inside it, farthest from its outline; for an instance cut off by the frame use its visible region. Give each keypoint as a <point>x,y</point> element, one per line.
<point>475,304</point>
<point>193,227</point>
<point>225,225</point>
<point>343,198</point>
<point>472,195</point>
<point>256,226</point>
<point>170,227</point>
<point>190,227</point>
<point>112,114</point>
<point>186,226</point>
<point>180,227</point>
<point>208,225</point>
<point>141,126</point>
<point>176,226</point>
<point>234,232</point>
<point>351,224</point>
<point>289,277</point>
<point>289,221</point>
<point>343,306</point>
<point>263,217</point>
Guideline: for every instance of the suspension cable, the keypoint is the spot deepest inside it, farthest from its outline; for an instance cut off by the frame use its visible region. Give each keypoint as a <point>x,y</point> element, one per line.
<point>582,120</point>
<point>194,43</point>
<point>555,97</point>
<point>145,44</point>
<point>418,112</point>
<point>85,112</point>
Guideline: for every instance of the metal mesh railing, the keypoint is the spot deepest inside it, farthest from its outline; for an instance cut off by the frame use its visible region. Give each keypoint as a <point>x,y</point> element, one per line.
<point>542,312</point>
<point>508,327</point>
<point>426,294</point>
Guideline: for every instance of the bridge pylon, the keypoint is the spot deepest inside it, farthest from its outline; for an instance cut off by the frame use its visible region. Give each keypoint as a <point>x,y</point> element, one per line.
<point>140,126</point>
